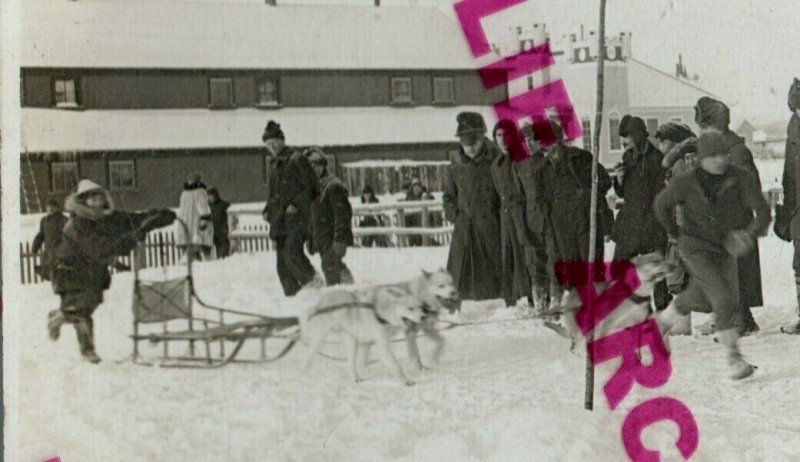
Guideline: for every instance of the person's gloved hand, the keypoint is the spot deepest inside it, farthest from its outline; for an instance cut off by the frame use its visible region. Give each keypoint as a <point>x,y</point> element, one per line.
<point>739,243</point>
<point>339,248</point>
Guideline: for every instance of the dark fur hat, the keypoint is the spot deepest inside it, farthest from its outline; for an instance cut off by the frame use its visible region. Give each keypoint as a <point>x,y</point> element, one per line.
<point>272,130</point>
<point>470,122</point>
<point>794,95</point>
<point>709,112</point>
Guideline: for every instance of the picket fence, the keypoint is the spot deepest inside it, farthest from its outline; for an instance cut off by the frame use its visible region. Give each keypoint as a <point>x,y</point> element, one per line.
<point>160,249</point>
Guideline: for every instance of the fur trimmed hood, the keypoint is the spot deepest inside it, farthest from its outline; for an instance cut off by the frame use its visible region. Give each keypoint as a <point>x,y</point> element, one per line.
<point>75,204</point>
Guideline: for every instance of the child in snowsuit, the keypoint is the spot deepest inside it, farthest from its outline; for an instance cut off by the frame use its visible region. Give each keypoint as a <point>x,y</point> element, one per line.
<point>49,236</point>
<point>94,236</point>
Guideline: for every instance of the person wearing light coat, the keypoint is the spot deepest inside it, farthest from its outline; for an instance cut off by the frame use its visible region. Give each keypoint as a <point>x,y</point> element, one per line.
<point>195,212</point>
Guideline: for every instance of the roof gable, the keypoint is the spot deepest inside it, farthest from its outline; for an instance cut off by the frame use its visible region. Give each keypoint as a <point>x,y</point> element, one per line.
<point>644,80</point>
<point>174,34</point>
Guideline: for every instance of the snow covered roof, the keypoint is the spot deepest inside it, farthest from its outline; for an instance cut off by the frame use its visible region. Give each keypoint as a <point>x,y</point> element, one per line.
<point>52,130</point>
<point>175,34</point>
<point>650,87</point>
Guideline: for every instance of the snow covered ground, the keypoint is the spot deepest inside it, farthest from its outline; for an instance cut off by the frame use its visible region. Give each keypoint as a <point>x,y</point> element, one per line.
<point>505,391</point>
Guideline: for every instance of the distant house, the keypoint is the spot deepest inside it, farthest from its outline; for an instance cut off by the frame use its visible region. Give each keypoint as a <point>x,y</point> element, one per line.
<point>767,141</point>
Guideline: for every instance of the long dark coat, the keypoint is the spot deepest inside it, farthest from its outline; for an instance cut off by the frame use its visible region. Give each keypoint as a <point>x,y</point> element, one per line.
<point>472,204</point>
<point>636,230</point>
<point>516,282</point>
<point>291,181</point>
<point>219,219</point>
<point>331,215</point>
<point>791,174</point>
<point>750,291</point>
<point>526,172</point>
<point>49,236</point>
<point>564,195</point>
<point>92,241</point>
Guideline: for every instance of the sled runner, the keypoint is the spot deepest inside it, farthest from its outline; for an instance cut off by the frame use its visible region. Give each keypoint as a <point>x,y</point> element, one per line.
<point>172,303</point>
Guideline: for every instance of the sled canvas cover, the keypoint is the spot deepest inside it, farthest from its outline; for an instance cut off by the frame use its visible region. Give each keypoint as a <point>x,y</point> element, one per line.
<point>162,301</point>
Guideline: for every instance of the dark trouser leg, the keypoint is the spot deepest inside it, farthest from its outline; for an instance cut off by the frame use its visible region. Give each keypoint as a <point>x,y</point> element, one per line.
<point>223,247</point>
<point>288,280</point>
<point>336,272</point>
<point>715,276</point>
<point>796,267</point>
<point>298,262</point>
<point>77,309</point>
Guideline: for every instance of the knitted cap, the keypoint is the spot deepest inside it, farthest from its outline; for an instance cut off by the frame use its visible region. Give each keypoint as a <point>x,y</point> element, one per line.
<point>710,145</point>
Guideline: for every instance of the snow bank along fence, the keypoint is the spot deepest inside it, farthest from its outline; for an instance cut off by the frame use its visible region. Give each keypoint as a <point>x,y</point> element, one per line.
<point>428,216</point>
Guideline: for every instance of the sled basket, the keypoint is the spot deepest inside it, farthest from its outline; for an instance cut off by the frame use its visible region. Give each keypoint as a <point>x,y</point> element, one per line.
<point>172,304</point>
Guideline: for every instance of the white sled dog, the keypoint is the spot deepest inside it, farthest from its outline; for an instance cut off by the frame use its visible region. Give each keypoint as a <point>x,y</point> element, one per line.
<point>650,268</point>
<point>372,315</point>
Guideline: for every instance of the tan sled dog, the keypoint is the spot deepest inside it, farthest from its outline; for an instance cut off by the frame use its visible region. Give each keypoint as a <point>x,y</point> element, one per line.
<point>362,317</point>
<point>437,292</point>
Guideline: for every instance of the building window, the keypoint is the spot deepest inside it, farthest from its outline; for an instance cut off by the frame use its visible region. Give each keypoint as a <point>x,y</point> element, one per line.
<point>220,92</point>
<point>443,90</point>
<point>615,143</point>
<point>401,90</point>
<point>122,175</point>
<point>267,91</point>
<point>66,92</point>
<point>677,119</point>
<point>586,126</point>
<point>64,176</point>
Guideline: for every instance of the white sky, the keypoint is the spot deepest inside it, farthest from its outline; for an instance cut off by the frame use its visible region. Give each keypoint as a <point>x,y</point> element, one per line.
<point>746,51</point>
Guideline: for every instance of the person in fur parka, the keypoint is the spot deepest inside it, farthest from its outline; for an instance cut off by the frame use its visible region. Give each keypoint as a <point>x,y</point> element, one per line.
<point>94,236</point>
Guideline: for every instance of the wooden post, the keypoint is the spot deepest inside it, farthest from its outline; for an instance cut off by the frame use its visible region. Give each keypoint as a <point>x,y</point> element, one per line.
<point>426,239</point>
<point>588,402</point>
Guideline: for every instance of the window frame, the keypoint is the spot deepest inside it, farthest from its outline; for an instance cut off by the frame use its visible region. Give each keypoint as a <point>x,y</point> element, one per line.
<point>77,91</point>
<point>587,133</point>
<point>111,164</point>
<point>211,81</point>
<point>392,98</point>
<point>613,133</point>
<point>54,165</point>
<point>258,82</point>
<point>452,83</point>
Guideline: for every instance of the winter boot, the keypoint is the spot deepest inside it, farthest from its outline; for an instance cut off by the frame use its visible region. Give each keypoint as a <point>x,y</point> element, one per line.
<point>85,331</point>
<point>55,319</point>
<point>682,326</point>
<point>745,323</point>
<point>709,327</point>
<point>540,300</point>
<point>739,368</point>
<point>794,329</point>
<point>666,320</point>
